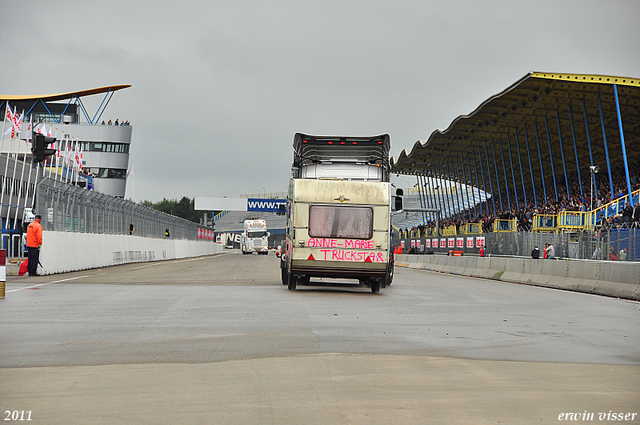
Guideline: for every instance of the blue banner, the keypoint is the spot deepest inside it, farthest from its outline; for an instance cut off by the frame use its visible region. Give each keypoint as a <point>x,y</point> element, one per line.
<point>265,205</point>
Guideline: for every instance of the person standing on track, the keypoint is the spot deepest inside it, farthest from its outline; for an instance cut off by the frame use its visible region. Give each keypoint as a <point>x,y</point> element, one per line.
<point>34,242</point>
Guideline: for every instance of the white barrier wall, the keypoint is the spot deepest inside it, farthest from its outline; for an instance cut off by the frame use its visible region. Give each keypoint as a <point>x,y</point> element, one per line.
<point>65,252</point>
<point>610,278</point>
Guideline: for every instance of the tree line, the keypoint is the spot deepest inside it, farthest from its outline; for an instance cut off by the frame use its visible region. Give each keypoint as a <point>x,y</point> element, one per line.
<point>181,208</point>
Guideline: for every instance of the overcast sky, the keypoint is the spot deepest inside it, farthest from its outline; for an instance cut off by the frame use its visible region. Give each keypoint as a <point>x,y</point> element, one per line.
<point>220,87</point>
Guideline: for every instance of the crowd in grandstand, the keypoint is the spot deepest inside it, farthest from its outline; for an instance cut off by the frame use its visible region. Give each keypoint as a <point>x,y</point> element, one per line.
<point>571,200</point>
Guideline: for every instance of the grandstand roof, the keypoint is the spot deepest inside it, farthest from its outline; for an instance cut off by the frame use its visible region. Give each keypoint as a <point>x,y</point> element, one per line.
<point>64,96</point>
<point>524,111</point>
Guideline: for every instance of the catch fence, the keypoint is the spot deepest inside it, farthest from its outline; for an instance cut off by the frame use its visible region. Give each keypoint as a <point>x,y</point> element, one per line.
<point>598,244</point>
<point>69,208</point>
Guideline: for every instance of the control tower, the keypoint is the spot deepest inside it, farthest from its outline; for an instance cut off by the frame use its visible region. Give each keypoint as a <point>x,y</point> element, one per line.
<point>105,143</point>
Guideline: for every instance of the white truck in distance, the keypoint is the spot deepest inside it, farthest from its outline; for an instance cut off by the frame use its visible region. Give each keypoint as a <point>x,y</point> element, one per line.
<point>255,237</point>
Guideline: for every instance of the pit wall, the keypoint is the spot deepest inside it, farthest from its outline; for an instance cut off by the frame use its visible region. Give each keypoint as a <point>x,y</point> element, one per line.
<point>610,278</point>
<point>65,252</point>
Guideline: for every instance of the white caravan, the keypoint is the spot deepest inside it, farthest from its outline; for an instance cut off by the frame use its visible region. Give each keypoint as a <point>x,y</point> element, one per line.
<point>339,211</point>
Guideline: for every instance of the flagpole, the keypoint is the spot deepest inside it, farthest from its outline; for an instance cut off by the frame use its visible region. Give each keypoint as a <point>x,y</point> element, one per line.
<point>65,160</point>
<point>58,156</point>
<point>77,155</point>
<point>29,137</point>
<point>24,162</point>
<point>133,180</point>
<point>48,159</point>
<point>6,166</point>
<point>13,178</point>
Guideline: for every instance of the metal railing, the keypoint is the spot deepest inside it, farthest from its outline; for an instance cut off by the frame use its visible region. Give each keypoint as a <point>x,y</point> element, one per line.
<point>265,195</point>
<point>69,208</point>
<point>505,226</point>
<point>597,215</point>
<point>545,223</point>
<point>571,220</point>
<point>471,229</point>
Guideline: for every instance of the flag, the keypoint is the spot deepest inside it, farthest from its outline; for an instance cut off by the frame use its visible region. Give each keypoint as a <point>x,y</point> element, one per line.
<point>9,114</point>
<point>29,129</point>
<point>17,125</point>
<point>77,158</point>
<point>66,152</point>
<point>11,117</point>
<point>81,155</point>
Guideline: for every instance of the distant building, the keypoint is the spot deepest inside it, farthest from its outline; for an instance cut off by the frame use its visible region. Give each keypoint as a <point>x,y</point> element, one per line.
<point>106,147</point>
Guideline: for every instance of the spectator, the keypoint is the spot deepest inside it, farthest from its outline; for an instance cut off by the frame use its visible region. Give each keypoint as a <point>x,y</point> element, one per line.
<point>623,255</point>
<point>596,253</point>
<point>34,242</point>
<point>549,251</point>
<point>535,253</point>
<point>627,213</point>
<point>612,254</point>
<point>481,252</point>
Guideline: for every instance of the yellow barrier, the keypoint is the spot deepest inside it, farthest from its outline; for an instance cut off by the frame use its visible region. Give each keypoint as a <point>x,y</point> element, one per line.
<point>449,231</point>
<point>471,229</point>
<point>545,223</point>
<point>608,210</point>
<point>571,220</point>
<point>502,226</point>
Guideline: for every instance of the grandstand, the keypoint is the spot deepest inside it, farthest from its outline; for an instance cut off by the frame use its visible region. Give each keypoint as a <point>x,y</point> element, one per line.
<point>449,202</point>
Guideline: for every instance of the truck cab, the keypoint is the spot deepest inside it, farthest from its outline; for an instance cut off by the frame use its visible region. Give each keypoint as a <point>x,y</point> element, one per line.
<point>255,237</point>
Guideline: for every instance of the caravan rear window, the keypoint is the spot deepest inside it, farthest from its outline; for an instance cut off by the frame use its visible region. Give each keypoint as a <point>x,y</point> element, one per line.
<point>345,222</point>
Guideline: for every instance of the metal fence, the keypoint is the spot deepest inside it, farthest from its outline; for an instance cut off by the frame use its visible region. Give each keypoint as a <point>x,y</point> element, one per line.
<point>69,208</point>
<point>618,244</point>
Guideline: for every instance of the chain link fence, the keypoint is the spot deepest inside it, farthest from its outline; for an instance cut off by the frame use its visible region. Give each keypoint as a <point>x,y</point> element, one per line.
<point>68,208</point>
<point>618,244</point>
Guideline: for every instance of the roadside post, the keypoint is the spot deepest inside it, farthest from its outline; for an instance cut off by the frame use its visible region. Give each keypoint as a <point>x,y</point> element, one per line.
<point>3,271</point>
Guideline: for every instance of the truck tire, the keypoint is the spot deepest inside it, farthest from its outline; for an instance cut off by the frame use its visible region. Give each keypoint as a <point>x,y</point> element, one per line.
<point>375,285</point>
<point>292,282</point>
<point>389,277</point>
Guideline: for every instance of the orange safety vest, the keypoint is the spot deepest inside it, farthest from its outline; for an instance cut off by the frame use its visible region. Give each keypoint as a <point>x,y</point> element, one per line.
<point>34,235</point>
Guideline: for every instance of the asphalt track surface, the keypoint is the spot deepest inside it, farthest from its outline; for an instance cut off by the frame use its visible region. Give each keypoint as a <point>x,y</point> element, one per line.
<point>219,340</point>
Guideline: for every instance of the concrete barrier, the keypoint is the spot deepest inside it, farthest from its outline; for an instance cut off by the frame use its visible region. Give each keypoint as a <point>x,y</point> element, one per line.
<point>610,278</point>
<point>66,252</point>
